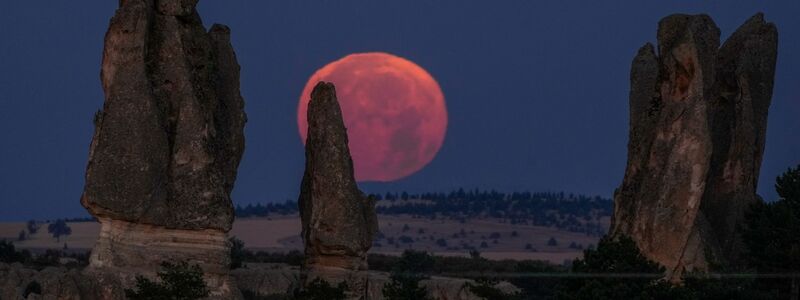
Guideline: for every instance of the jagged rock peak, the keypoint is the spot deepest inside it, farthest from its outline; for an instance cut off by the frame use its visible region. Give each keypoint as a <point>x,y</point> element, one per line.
<point>170,136</point>
<point>698,116</point>
<point>338,220</point>
<point>167,143</point>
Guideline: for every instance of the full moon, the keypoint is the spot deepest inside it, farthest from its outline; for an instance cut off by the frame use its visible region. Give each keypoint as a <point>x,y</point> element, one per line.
<point>393,109</point>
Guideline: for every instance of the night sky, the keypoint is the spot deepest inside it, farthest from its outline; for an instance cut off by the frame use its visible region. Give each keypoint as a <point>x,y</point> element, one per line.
<point>537,91</point>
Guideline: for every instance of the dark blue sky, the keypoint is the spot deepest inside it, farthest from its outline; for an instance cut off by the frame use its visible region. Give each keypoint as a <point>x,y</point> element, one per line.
<point>536,90</point>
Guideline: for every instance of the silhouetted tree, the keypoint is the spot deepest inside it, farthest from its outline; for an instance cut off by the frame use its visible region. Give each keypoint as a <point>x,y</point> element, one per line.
<point>237,252</point>
<point>616,258</point>
<point>32,226</point>
<point>179,281</point>
<point>771,233</point>
<point>406,274</point>
<point>58,229</point>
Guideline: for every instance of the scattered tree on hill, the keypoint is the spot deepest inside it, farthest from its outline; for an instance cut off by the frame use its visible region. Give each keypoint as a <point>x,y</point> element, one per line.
<point>22,236</point>
<point>514,233</point>
<point>484,245</point>
<point>58,229</point>
<point>32,226</point>
<point>475,254</point>
<point>441,242</point>
<point>552,242</point>
<point>176,281</point>
<point>405,239</point>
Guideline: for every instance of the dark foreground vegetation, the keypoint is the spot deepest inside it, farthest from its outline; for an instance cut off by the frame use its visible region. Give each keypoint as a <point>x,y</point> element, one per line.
<point>38,261</point>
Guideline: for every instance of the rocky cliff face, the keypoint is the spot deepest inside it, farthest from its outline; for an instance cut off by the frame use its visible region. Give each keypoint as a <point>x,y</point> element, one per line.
<point>338,221</point>
<point>698,117</point>
<point>163,159</point>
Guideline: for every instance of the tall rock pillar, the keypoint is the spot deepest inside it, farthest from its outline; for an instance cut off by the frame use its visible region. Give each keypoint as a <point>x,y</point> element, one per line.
<point>167,143</point>
<point>698,117</point>
<point>338,221</point>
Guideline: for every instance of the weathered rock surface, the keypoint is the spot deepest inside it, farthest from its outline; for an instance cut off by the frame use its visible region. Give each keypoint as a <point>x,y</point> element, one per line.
<point>698,117</point>
<point>338,220</point>
<point>167,144</point>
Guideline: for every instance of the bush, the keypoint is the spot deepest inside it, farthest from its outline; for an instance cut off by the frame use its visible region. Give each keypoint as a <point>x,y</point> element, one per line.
<point>237,252</point>
<point>33,227</point>
<point>771,235</point>
<point>405,286</point>
<point>9,253</point>
<point>59,229</point>
<point>177,281</point>
<point>408,271</point>
<point>33,287</point>
<point>485,288</point>
<point>319,289</point>
<point>618,257</point>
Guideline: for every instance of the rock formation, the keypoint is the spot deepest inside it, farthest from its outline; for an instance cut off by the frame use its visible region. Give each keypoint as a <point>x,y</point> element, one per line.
<point>698,117</point>
<point>338,221</point>
<point>167,144</point>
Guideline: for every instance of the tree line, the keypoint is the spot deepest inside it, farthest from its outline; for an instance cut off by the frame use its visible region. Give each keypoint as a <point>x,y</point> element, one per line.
<point>575,213</point>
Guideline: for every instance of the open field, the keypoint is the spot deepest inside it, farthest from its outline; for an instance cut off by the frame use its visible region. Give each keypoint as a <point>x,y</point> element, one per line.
<point>493,238</point>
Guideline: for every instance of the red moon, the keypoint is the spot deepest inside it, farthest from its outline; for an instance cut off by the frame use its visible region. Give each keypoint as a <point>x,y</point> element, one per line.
<point>393,109</point>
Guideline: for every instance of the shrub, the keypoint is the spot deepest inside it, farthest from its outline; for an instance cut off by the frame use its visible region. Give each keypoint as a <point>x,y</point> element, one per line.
<point>179,281</point>
<point>58,229</point>
<point>33,227</point>
<point>319,289</point>
<point>33,287</point>
<point>237,252</point>
<point>485,288</point>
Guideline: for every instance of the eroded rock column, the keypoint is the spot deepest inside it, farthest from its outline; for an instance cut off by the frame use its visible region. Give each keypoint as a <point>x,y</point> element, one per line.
<point>698,117</point>
<point>338,220</point>
<point>167,143</point>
